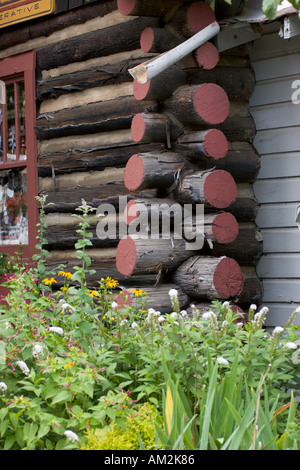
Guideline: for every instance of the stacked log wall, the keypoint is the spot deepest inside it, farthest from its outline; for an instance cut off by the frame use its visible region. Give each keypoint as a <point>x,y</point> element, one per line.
<point>87,104</point>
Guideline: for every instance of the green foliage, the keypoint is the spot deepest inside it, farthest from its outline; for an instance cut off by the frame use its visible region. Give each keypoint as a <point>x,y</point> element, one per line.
<point>72,362</point>
<point>270,7</point>
<point>138,431</point>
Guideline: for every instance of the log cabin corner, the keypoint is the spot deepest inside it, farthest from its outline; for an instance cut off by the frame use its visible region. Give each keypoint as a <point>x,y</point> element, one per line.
<point>216,128</point>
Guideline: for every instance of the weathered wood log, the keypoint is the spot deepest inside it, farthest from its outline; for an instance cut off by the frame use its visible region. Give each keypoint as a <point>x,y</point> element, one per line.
<point>202,104</point>
<point>101,116</point>
<point>161,87</point>
<point>45,26</point>
<point>208,143</point>
<point>245,207</point>
<point>145,8</point>
<point>252,292</point>
<point>74,160</point>
<point>152,170</point>
<point>210,278</point>
<point>207,56</point>
<point>241,160</point>
<point>141,256</point>
<point>219,228</point>
<point>157,297</point>
<point>103,42</point>
<point>149,127</point>
<point>215,188</point>
<point>106,74</point>
<point>188,20</point>
<point>246,249</point>
<point>158,40</point>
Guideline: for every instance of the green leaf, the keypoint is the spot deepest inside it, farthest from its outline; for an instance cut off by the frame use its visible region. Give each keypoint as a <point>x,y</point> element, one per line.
<point>61,396</point>
<point>269,8</point>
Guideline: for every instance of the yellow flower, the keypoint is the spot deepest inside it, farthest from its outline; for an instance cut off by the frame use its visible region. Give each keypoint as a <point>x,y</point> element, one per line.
<point>64,288</point>
<point>111,282</point>
<point>138,292</point>
<point>65,274</point>
<point>94,293</point>
<point>49,281</point>
<point>69,364</point>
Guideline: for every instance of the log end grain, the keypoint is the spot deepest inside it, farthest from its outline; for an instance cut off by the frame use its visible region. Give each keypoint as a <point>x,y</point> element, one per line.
<point>199,16</point>
<point>146,40</point>
<point>215,144</point>
<point>225,228</point>
<point>228,278</point>
<point>126,7</point>
<point>220,189</point>
<point>134,173</point>
<point>207,56</point>
<point>126,256</point>
<point>140,90</point>
<point>211,103</point>
<point>131,212</point>
<point>138,127</point>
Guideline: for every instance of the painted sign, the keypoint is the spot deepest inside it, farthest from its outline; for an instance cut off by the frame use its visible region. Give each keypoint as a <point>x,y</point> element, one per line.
<point>15,11</point>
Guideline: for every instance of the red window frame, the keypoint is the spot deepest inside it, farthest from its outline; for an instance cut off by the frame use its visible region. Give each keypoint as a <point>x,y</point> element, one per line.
<point>22,66</point>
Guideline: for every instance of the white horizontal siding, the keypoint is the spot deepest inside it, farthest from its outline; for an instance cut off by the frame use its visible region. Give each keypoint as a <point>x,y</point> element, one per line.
<point>276,63</point>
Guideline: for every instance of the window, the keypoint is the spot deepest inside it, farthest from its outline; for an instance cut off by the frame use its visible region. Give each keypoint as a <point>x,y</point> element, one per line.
<point>18,169</point>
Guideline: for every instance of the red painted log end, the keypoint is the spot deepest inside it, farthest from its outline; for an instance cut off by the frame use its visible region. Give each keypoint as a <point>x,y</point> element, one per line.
<point>126,256</point>
<point>146,40</point>
<point>126,7</point>
<point>140,90</point>
<point>131,212</point>
<point>211,103</point>
<point>215,144</point>
<point>134,173</point>
<point>220,189</point>
<point>124,298</point>
<point>199,16</point>
<point>138,127</point>
<point>228,278</point>
<point>225,228</point>
<point>207,56</point>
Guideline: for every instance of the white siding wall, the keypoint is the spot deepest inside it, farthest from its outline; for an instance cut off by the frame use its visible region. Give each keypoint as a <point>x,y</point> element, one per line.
<point>276,63</point>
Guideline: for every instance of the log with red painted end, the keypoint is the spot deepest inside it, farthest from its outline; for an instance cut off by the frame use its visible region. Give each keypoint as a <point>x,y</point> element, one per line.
<point>188,20</point>
<point>207,56</point>
<point>156,297</point>
<point>158,40</point>
<point>192,105</point>
<point>208,143</point>
<point>151,128</point>
<point>214,188</point>
<point>152,170</point>
<point>142,256</point>
<point>145,7</point>
<point>161,87</point>
<point>210,278</point>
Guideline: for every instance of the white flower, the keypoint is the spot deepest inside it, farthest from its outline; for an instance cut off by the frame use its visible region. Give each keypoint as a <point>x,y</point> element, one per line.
<point>56,329</point>
<point>174,315</point>
<point>161,319</point>
<point>123,322</point>
<point>226,304</point>
<point>208,315</point>
<point>297,310</point>
<point>253,307</point>
<point>221,360</point>
<point>114,305</point>
<point>173,293</point>
<point>278,330</point>
<point>66,308</point>
<point>71,436</point>
<point>134,325</point>
<point>23,366</point>
<point>183,313</point>
<point>176,323</point>
<point>290,345</point>
<point>3,387</point>
<point>37,350</point>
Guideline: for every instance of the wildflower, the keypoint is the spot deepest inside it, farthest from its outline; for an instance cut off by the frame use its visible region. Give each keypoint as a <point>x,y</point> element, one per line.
<point>56,329</point>
<point>138,292</point>
<point>278,330</point>
<point>3,387</point>
<point>69,364</point>
<point>111,282</point>
<point>253,307</point>
<point>221,360</point>
<point>290,345</point>
<point>23,366</point>
<point>183,313</point>
<point>66,308</point>
<point>37,350</point>
<point>226,304</point>
<point>49,281</point>
<point>93,293</point>
<point>173,293</point>
<point>114,305</point>
<point>174,315</point>
<point>161,318</point>
<point>71,436</point>
<point>123,322</point>
<point>65,274</point>
<point>209,315</point>
<point>134,325</point>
